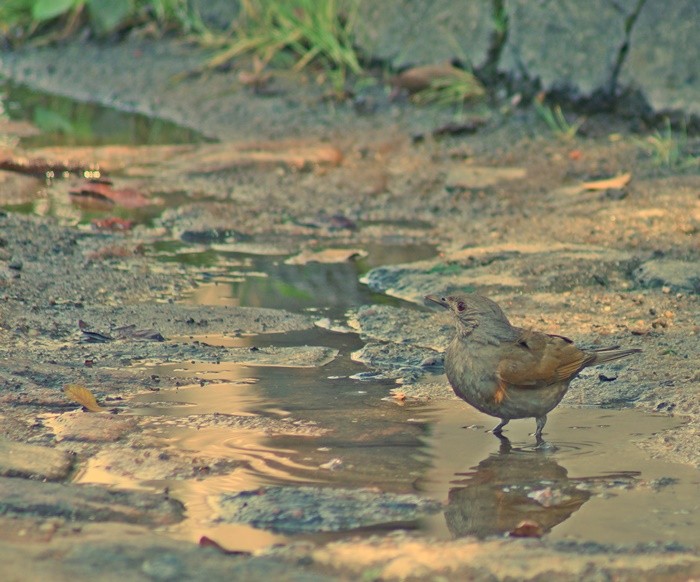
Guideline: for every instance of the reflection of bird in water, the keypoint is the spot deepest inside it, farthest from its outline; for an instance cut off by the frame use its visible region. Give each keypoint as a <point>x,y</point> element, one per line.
<point>509,487</point>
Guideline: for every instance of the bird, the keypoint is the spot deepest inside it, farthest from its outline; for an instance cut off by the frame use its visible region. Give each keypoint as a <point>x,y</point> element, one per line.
<point>510,372</point>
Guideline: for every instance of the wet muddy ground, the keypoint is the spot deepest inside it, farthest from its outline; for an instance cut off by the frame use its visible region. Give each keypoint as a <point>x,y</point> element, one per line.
<point>250,317</point>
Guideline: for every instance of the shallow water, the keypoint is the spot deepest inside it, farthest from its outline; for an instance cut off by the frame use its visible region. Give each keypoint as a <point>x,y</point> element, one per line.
<point>591,482</point>
<point>264,280</point>
<point>67,122</point>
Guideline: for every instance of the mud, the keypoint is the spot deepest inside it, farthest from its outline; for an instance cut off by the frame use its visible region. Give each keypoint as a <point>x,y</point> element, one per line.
<point>225,366</point>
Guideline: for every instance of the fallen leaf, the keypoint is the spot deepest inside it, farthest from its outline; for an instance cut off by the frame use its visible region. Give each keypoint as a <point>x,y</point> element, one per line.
<point>527,529</point>
<point>207,542</point>
<point>419,78</point>
<point>325,256</point>
<point>82,396</point>
<point>113,224</point>
<point>611,183</point>
<point>97,160</point>
<point>104,194</point>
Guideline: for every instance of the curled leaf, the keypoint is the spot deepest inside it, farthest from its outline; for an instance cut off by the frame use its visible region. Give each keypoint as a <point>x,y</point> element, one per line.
<point>617,182</point>
<point>82,396</point>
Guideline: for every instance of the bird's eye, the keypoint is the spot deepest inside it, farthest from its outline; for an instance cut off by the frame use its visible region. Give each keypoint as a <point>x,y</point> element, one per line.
<point>460,306</point>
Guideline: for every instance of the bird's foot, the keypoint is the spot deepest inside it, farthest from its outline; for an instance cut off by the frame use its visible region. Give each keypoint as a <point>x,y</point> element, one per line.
<point>540,421</point>
<point>543,445</point>
<point>498,429</point>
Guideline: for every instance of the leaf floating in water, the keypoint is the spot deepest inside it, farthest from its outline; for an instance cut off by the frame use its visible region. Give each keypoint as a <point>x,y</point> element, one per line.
<point>82,396</point>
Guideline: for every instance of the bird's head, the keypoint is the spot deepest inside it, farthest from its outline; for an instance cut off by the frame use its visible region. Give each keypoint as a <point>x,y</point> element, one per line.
<point>472,311</point>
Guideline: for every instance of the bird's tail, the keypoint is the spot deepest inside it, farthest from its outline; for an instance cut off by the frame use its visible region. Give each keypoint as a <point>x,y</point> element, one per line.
<point>611,354</point>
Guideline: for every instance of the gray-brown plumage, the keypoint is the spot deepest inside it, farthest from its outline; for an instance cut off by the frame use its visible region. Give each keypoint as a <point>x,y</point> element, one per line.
<point>509,372</point>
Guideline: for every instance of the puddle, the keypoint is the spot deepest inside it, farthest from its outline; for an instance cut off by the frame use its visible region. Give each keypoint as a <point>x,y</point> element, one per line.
<point>61,121</point>
<point>317,426</point>
<point>593,484</point>
<point>262,279</point>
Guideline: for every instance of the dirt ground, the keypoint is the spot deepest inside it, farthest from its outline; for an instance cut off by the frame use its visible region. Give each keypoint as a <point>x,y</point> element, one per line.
<point>512,210</point>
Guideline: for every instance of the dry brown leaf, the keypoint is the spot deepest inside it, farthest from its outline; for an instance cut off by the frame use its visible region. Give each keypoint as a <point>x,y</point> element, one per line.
<point>419,78</point>
<point>82,396</point>
<point>103,195</point>
<point>609,184</point>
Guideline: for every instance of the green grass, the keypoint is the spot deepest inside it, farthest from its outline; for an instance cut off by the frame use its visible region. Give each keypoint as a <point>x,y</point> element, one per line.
<point>668,149</point>
<point>556,121</point>
<point>310,30</point>
<point>453,89</point>
<point>50,19</point>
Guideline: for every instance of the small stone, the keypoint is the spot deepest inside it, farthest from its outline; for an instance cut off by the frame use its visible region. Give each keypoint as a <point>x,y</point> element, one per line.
<point>50,525</point>
<point>332,465</point>
<point>25,460</point>
<point>669,275</point>
<point>640,328</point>
<point>15,264</point>
<point>93,503</point>
<point>90,427</point>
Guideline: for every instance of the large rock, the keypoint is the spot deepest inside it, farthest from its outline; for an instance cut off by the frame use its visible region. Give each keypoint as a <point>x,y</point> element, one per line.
<point>676,275</point>
<point>314,509</point>
<point>22,497</point>
<point>565,44</point>
<point>410,32</point>
<point>25,460</point>
<point>664,55</point>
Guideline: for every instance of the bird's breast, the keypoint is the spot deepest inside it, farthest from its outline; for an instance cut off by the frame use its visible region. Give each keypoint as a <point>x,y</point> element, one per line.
<point>471,370</point>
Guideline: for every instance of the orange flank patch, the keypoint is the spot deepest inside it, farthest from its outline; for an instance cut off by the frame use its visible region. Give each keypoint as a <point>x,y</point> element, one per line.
<point>500,394</point>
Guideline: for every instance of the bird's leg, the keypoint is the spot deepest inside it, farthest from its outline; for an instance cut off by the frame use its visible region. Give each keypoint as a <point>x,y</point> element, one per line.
<point>498,429</point>
<point>541,421</point>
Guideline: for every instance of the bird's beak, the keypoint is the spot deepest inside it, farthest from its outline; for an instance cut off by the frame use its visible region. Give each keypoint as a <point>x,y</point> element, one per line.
<point>438,300</point>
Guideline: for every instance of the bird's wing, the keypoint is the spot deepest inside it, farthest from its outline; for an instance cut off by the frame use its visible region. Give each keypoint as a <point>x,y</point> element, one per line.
<point>537,359</point>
